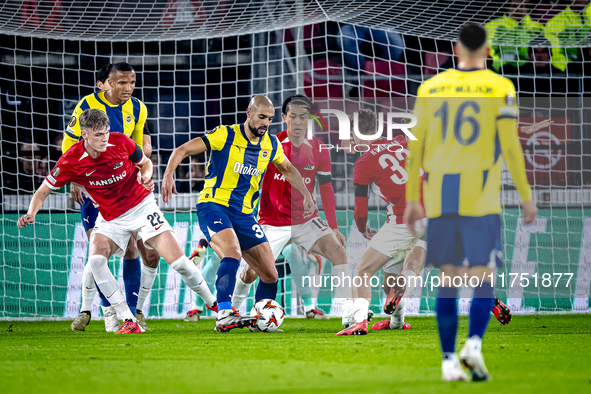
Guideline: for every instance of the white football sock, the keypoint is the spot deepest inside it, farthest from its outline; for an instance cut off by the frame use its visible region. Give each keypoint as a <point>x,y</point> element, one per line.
<point>347,306</point>
<point>411,281</point>
<point>193,279</point>
<point>107,309</point>
<point>361,308</point>
<point>109,286</point>
<point>343,272</point>
<point>88,289</point>
<point>241,291</point>
<point>146,283</point>
<point>397,318</point>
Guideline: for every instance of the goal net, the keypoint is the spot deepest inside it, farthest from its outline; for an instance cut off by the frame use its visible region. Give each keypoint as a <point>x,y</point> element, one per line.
<point>198,63</point>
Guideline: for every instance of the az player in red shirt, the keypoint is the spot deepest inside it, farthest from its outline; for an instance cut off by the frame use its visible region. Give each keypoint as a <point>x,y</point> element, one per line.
<point>282,208</point>
<point>104,164</point>
<point>381,168</point>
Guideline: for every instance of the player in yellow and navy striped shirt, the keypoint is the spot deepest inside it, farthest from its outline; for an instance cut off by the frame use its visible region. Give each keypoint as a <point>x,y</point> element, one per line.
<point>127,114</point>
<point>238,157</point>
<point>466,126</point>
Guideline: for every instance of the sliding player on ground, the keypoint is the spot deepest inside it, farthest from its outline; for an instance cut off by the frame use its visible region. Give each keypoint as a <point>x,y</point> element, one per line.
<point>381,169</point>
<point>105,165</point>
<point>466,125</point>
<point>282,211</point>
<point>127,115</point>
<point>239,156</point>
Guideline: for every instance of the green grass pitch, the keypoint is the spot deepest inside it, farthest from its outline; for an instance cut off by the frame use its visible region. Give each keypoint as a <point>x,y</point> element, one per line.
<point>533,354</point>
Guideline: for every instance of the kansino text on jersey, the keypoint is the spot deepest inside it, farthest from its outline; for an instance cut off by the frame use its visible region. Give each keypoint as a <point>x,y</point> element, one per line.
<point>108,181</point>
<point>375,148</point>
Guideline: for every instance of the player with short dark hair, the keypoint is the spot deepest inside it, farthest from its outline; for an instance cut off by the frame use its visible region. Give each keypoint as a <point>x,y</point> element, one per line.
<point>113,171</point>
<point>466,126</point>
<point>239,156</point>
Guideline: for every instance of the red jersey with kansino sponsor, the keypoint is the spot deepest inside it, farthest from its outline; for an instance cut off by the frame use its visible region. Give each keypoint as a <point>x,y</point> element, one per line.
<point>383,167</point>
<point>110,180</point>
<point>280,205</point>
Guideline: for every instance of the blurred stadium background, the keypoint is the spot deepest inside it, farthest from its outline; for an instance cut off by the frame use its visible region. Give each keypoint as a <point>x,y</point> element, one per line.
<point>198,62</point>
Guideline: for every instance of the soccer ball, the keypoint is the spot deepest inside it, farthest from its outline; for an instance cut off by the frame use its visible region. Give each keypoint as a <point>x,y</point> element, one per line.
<point>270,315</point>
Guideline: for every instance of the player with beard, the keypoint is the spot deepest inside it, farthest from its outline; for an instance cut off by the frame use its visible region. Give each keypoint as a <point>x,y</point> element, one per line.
<point>282,211</point>
<point>238,158</point>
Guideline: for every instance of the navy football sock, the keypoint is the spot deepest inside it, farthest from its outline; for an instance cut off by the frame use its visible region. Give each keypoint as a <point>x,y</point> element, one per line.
<point>104,301</point>
<point>447,318</point>
<point>132,273</point>
<point>226,281</point>
<point>265,291</point>
<point>480,310</point>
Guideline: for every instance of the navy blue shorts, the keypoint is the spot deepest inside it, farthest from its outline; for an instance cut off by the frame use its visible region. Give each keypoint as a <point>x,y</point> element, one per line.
<point>89,214</point>
<point>214,218</point>
<point>453,238</point>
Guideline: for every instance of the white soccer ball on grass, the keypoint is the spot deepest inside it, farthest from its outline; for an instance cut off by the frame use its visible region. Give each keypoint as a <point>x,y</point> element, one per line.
<point>270,315</point>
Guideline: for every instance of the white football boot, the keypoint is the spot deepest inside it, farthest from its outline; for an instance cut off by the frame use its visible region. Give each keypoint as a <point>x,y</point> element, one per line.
<point>471,358</point>
<point>111,320</point>
<point>452,371</point>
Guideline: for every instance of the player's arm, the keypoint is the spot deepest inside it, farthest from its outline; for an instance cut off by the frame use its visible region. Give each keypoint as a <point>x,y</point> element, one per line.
<point>292,175</point>
<point>327,194</point>
<point>535,127</point>
<point>147,141</point>
<point>507,125</point>
<point>144,176</point>
<point>361,212</point>
<point>413,210</point>
<point>34,207</point>
<point>190,148</point>
<point>71,136</point>
<point>57,178</point>
<point>138,132</point>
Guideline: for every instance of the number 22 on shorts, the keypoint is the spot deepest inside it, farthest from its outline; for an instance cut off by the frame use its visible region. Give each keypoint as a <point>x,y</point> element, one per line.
<point>155,220</point>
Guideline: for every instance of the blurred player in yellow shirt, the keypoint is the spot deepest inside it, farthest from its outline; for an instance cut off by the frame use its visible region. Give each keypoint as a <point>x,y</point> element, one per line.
<point>467,125</point>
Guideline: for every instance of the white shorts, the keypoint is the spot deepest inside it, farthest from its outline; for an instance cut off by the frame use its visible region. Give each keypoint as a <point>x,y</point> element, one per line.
<point>145,218</point>
<point>395,241</point>
<point>305,234</point>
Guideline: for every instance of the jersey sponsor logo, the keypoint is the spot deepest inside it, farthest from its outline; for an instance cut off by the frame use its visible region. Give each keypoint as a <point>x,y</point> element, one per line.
<point>240,168</point>
<point>90,173</point>
<point>128,119</point>
<point>51,179</point>
<point>108,181</point>
<point>55,172</point>
<point>279,177</point>
<point>265,154</point>
<point>72,121</point>
<point>309,167</point>
<point>118,165</point>
<point>307,181</point>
